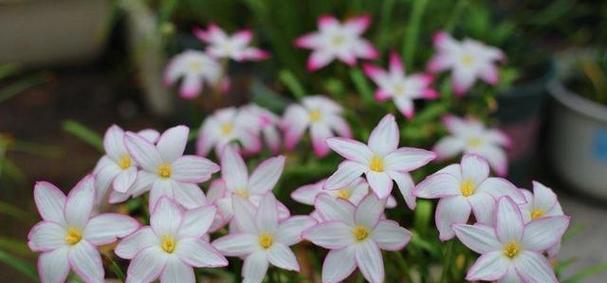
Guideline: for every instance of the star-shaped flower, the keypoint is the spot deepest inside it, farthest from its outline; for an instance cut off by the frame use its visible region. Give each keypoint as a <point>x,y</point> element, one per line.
<point>195,67</point>
<point>236,47</point>
<point>225,127</point>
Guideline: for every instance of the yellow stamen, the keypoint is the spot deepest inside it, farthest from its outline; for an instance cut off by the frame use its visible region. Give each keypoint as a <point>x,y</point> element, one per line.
<point>512,249</point>
<point>467,188</point>
<point>196,66</point>
<point>164,170</point>
<point>537,213</point>
<point>227,128</point>
<point>344,194</point>
<point>125,161</point>
<point>377,164</point>
<point>243,193</point>
<point>399,89</point>
<point>266,240</point>
<point>474,142</point>
<point>337,40</point>
<point>467,59</point>
<point>315,115</point>
<point>360,233</point>
<point>168,243</point>
<point>73,236</point>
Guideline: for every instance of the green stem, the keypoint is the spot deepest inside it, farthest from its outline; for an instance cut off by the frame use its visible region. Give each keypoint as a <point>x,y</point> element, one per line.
<point>457,11</point>
<point>404,267</point>
<point>448,261</point>
<point>413,28</point>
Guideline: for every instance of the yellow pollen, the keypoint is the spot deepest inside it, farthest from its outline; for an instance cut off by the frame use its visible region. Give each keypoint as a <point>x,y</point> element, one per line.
<point>266,240</point>
<point>399,89</point>
<point>125,161</point>
<point>164,170</point>
<point>360,233</point>
<point>512,249</point>
<point>377,164</point>
<point>467,188</point>
<point>537,213</point>
<point>227,128</point>
<point>168,243</point>
<point>474,142</point>
<point>243,193</point>
<point>315,115</point>
<point>337,40</point>
<point>73,236</point>
<point>196,66</point>
<point>344,194</point>
<point>467,59</point>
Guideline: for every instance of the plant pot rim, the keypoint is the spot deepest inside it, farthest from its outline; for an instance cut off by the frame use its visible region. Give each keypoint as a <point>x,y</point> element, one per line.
<point>576,102</point>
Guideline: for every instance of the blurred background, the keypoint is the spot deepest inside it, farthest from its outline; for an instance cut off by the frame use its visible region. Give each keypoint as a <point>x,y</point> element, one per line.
<point>71,68</point>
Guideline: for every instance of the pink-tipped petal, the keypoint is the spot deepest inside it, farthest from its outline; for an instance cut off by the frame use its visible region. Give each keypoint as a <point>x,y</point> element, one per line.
<point>385,136</point>
<point>53,266</point>
<point>50,202</point>
<point>438,186</point>
<point>450,211</point>
<point>544,233</point>
<point>330,235</point>
<point>508,221</point>
<point>370,261</point>
<point>172,142</point>
<point>79,203</point>
<point>198,253</point>
<point>193,169</point>
<point>282,257</point>
<point>390,236</point>
<point>347,172</point>
<point>351,149</point>
<point>85,260</point>
<point>489,267</point>
<point>107,228</point>
<point>266,175</point>
<point>396,63</point>
<point>479,238</point>
<point>338,265</point>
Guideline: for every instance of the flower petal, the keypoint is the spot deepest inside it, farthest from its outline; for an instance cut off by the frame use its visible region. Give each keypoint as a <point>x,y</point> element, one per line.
<point>198,253</point>
<point>196,222</point>
<point>289,231</point>
<point>483,206</point>
<point>509,222</point>
<point>330,235</point>
<point>380,183</point>
<point>267,214</point>
<point>534,268</point>
<point>187,195</point>
<point>255,267</point>
<point>338,265</point>
<point>53,266</point>
<point>176,271</point>
<point>319,134</point>
<point>330,209</point>
<point>499,187</point>
<point>388,235</point>
<point>193,169</point>
<point>385,136</point>
<point>50,202</point>
<point>266,175</point>
<point>307,194</point>
<point>489,267</point>
<point>544,233</point>
<point>369,211</point>
<point>131,245</point>
<point>405,186</point>
<point>147,265</point>
<point>437,186</point>
<point>171,143</point>
<point>407,159</point>
<point>79,203</point>
<point>166,217</point>
<point>370,262</point>
<point>46,236</point>
<point>449,211</point>
<point>474,168</point>
<point>238,244</point>
<point>86,262</point>
<point>351,149</point>
<point>281,256</point>
<point>448,147</point>
<point>233,169</point>
<point>107,228</point>
<point>244,213</point>
<point>125,179</point>
<point>478,237</point>
<point>347,172</point>
<point>143,151</point>
<point>544,197</point>
<point>113,142</point>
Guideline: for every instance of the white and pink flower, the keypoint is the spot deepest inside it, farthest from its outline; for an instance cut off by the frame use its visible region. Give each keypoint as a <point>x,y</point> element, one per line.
<point>117,169</point>
<point>226,127</point>
<point>355,237</point>
<point>321,115</point>
<point>196,68</point>
<point>353,192</point>
<point>171,246</point>
<point>69,233</point>
<point>381,161</point>
<point>471,136</point>
<point>512,251</point>
<point>464,189</point>
<point>236,47</point>
<point>166,171</point>
<point>335,40</point>
<point>402,89</point>
<point>467,60</point>
<point>262,238</point>
<point>264,123</point>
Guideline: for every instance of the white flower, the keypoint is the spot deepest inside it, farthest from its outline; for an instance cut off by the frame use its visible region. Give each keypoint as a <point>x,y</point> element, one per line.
<point>171,246</point>
<point>381,160</point>
<point>264,123</point>
<point>464,189</point>
<point>468,60</point>
<point>195,67</point>
<point>471,136</point>
<point>355,236</point>
<point>511,251</point>
<point>224,127</point>
<point>69,234</point>
<point>262,238</point>
<point>166,171</point>
<point>235,47</point>
<point>401,88</point>
<point>335,40</point>
<point>324,118</point>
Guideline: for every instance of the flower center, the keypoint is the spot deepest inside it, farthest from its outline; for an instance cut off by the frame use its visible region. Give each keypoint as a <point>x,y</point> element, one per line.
<point>512,249</point>
<point>196,66</point>
<point>360,233</point>
<point>243,193</point>
<point>164,170</point>
<point>467,59</point>
<point>467,188</point>
<point>399,89</point>
<point>315,115</point>
<point>537,213</point>
<point>168,243</point>
<point>73,236</point>
<point>344,194</point>
<point>377,164</point>
<point>125,161</point>
<point>266,240</point>
<point>474,142</point>
<point>227,128</point>
<point>337,40</point>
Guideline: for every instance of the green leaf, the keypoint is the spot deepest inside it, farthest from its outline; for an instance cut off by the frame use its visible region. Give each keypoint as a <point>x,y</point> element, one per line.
<point>586,273</point>
<point>362,85</point>
<point>15,246</point>
<point>15,212</point>
<point>84,133</point>
<point>21,86</point>
<point>291,82</point>
<point>20,265</point>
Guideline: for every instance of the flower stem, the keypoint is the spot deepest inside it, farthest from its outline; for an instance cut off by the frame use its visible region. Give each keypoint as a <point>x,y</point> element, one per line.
<point>404,267</point>
<point>448,261</point>
<point>413,31</point>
